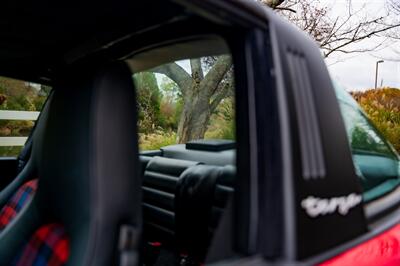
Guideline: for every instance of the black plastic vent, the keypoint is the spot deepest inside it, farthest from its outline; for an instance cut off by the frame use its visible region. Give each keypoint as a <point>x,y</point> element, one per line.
<point>310,140</point>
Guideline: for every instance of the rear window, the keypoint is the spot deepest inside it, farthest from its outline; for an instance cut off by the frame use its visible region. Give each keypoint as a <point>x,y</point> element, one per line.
<point>186,121</point>
<point>20,105</point>
<point>186,100</point>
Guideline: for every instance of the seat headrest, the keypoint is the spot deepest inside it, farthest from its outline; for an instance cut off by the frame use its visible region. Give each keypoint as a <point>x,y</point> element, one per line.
<point>169,166</point>
<point>194,205</point>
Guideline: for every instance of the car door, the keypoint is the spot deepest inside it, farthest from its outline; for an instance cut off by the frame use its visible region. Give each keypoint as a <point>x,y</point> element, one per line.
<point>332,222</point>
<point>300,197</point>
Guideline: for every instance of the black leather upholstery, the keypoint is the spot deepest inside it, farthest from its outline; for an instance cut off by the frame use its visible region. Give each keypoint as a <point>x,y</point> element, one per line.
<point>144,161</point>
<point>182,205</point>
<point>223,191</point>
<point>201,195</point>
<point>159,185</point>
<point>24,155</point>
<point>86,160</point>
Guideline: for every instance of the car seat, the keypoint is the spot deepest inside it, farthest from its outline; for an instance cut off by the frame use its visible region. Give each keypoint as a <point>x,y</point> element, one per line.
<point>86,210</point>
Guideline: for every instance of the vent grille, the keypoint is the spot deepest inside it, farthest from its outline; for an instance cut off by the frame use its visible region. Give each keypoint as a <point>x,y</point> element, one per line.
<point>313,163</point>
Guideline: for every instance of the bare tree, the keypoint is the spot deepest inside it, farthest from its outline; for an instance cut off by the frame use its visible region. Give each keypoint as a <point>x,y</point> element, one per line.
<point>394,5</point>
<point>336,34</point>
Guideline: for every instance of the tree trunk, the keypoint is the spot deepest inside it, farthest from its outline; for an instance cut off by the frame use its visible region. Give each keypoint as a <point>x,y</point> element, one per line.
<point>201,94</point>
<point>194,118</point>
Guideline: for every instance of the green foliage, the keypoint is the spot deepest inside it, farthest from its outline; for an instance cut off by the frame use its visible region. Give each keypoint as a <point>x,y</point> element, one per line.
<point>19,96</point>
<point>10,151</point>
<point>160,109</point>
<point>171,105</point>
<point>170,110</point>
<point>149,100</point>
<point>160,106</point>
<point>222,122</point>
<point>383,108</point>
<point>156,140</point>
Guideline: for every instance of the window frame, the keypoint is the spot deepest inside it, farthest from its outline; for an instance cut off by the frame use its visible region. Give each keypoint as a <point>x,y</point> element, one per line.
<point>246,239</point>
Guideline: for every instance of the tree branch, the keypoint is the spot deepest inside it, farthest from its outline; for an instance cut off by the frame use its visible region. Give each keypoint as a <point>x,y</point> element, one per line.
<point>356,38</point>
<point>285,9</point>
<point>177,74</point>
<point>221,94</point>
<point>197,71</point>
<point>216,74</point>
<point>338,33</point>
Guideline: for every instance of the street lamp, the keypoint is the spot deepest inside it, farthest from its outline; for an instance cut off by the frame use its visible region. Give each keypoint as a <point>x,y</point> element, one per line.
<point>376,72</point>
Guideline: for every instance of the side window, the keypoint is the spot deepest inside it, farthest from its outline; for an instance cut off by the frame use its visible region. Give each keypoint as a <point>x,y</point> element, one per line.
<point>362,135</point>
<point>186,116</point>
<point>186,100</point>
<point>376,162</point>
<point>20,104</point>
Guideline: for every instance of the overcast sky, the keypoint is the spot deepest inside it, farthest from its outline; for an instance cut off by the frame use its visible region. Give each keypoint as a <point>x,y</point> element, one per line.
<point>357,71</point>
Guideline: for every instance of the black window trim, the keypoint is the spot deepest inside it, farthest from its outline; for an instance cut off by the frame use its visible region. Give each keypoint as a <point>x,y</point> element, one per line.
<point>242,240</point>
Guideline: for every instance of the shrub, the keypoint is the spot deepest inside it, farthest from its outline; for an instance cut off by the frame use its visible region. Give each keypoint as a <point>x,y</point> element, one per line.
<point>222,122</point>
<point>383,108</point>
<point>156,140</point>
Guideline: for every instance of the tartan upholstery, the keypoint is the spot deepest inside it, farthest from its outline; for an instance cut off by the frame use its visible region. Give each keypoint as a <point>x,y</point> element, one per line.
<point>49,246</point>
<point>17,202</point>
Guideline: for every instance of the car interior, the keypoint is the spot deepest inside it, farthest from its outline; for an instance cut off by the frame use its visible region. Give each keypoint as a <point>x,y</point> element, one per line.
<point>94,181</point>
<point>70,201</point>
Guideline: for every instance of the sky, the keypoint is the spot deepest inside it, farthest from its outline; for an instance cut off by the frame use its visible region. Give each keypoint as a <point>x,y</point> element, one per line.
<point>357,71</point>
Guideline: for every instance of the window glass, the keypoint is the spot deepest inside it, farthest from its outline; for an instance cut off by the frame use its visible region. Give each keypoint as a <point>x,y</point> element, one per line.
<point>362,135</point>
<point>20,104</point>
<point>186,100</point>
<point>375,161</point>
<point>186,122</point>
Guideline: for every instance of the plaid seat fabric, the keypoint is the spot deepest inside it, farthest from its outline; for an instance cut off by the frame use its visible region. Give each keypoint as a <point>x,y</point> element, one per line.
<point>49,246</point>
<point>17,202</point>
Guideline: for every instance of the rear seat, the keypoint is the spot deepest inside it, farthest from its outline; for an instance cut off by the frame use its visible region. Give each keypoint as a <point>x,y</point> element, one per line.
<point>201,196</point>
<point>182,203</point>
<point>159,185</point>
<point>144,161</point>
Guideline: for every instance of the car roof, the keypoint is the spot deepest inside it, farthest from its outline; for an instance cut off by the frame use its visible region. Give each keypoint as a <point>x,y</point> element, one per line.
<point>40,37</point>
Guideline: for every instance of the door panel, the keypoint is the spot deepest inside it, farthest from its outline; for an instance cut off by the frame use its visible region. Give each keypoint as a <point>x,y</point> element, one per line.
<point>383,249</point>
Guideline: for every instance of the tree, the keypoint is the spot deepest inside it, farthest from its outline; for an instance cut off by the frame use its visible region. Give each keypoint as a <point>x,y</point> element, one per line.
<point>202,90</point>
<point>201,93</point>
<point>394,5</point>
<point>337,33</point>
<point>149,100</point>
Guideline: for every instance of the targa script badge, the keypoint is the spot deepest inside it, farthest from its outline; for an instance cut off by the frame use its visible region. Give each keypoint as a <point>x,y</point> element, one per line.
<point>319,206</point>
